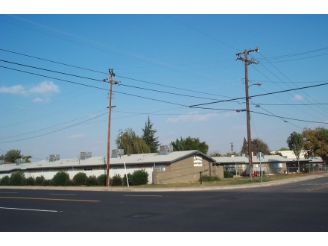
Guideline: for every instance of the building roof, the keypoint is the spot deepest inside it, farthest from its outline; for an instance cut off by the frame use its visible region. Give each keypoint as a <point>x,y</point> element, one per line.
<point>134,159</point>
<point>244,159</point>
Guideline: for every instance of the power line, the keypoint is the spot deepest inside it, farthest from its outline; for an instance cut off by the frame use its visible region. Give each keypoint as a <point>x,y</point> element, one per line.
<point>300,109</point>
<point>294,84</point>
<point>26,133</point>
<point>52,71</point>
<point>178,88</point>
<point>69,81</point>
<point>281,117</point>
<point>52,61</point>
<point>44,76</point>
<point>259,95</point>
<point>294,54</point>
<point>97,80</point>
<point>201,32</point>
<point>61,129</point>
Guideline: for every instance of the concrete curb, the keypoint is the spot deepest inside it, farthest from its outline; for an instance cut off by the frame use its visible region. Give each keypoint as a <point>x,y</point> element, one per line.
<point>200,188</point>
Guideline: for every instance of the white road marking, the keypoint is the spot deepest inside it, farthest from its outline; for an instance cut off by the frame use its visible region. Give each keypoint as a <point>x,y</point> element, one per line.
<point>54,194</point>
<point>144,195</point>
<point>29,209</point>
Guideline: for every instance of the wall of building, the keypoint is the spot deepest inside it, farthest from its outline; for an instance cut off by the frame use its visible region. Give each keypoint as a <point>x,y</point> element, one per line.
<point>49,174</point>
<point>186,170</point>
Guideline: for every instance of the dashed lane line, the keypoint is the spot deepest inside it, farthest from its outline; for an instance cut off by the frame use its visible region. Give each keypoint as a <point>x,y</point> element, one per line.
<point>30,209</point>
<point>47,199</point>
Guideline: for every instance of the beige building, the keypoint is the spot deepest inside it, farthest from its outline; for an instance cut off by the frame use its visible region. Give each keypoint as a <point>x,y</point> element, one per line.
<point>167,166</point>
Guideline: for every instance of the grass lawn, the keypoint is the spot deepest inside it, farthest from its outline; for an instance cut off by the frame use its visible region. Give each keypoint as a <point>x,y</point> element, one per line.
<point>228,181</point>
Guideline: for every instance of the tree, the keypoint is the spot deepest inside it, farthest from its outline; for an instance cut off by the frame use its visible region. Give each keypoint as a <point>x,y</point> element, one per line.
<point>316,142</point>
<point>12,155</point>
<point>283,149</point>
<point>131,142</point>
<point>149,137</point>
<point>244,148</point>
<point>258,145</point>
<point>229,154</point>
<point>216,154</point>
<point>295,143</point>
<point>190,144</point>
<point>27,158</point>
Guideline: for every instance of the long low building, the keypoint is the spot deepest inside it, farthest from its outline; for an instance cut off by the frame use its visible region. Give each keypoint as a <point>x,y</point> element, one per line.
<point>268,164</point>
<point>167,166</point>
<point>163,167</point>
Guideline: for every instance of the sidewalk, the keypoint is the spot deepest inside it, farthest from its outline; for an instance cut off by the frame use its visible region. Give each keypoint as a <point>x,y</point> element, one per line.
<point>198,188</point>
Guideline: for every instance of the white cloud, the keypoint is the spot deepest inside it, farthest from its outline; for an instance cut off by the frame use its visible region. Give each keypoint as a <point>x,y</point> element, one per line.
<point>38,100</point>
<point>46,87</point>
<point>194,116</point>
<point>16,89</point>
<point>298,97</point>
<point>75,136</point>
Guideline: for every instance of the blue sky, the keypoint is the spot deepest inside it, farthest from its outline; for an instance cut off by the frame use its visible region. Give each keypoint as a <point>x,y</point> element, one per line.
<point>165,64</point>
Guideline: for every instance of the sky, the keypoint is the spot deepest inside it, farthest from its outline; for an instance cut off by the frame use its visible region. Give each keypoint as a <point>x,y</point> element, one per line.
<point>53,63</point>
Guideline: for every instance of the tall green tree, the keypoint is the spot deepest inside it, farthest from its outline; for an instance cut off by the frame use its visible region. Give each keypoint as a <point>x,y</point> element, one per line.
<point>131,142</point>
<point>295,143</point>
<point>149,136</point>
<point>189,144</point>
<point>12,155</point>
<point>258,145</point>
<point>244,148</point>
<point>316,142</point>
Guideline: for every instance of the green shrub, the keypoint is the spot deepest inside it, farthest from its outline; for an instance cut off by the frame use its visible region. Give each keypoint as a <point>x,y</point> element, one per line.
<point>139,177</point>
<point>208,178</point>
<point>5,180</point>
<point>92,180</point>
<point>101,180</point>
<point>130,179</point>
<point>61,178</point>
<point>47,182</point>
<point>80,179</point>
<point>30,181</point>
<point>17,178</point>
<point>228,174</point>
<point>116,180</point>
<point>39,180</point>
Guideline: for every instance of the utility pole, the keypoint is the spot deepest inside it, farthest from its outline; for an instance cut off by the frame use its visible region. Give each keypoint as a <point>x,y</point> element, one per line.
<point>247,62</point>
<point>111,81</point>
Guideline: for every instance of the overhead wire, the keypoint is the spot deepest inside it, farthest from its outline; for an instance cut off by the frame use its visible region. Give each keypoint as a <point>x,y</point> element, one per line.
<point>61,129</point>
<point>324,109</point>
<point>87,69</point>
<point>39,130</point>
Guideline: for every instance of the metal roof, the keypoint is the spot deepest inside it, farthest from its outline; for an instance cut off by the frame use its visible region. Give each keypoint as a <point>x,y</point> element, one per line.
<point>134,159</point>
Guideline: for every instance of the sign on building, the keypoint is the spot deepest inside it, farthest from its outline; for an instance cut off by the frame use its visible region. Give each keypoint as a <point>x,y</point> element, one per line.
<point>198,161</point>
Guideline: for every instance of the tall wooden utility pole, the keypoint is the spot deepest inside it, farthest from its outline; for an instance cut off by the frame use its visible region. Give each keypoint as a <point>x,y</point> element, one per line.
<point>249,139</point>
<point>111,81</point>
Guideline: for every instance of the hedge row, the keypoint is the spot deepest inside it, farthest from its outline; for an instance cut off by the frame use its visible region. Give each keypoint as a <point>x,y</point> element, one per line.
<point>62,178</point>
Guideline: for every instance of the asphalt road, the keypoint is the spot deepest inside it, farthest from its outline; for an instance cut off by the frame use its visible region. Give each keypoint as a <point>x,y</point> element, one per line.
<point>296,207</point>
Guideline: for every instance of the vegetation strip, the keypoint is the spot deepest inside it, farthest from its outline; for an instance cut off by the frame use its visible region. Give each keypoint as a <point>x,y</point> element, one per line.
<point>48,199</point>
